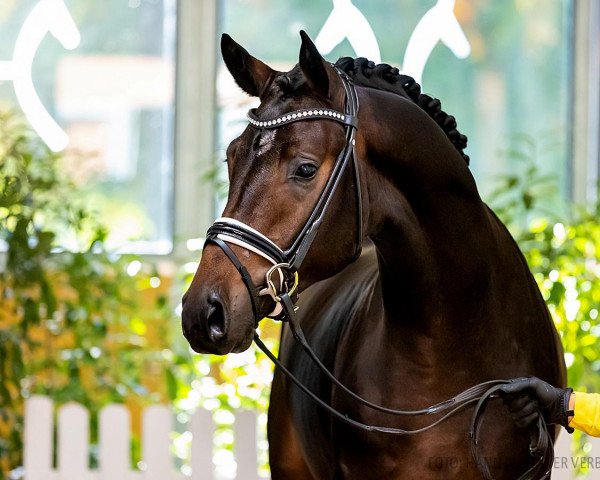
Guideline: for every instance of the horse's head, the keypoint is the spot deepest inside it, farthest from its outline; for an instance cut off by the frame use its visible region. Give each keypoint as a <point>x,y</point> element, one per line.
<point>277,175</point>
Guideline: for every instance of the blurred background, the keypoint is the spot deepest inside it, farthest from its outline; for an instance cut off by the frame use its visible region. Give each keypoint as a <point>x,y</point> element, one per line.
<point>98,239</point>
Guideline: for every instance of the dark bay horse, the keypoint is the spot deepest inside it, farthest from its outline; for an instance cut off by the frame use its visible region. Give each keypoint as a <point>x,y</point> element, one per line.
<point>440,299</point>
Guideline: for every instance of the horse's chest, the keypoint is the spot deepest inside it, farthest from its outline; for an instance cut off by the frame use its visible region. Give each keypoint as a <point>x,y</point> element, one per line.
<point>405,459</point>
<point>440,453</point>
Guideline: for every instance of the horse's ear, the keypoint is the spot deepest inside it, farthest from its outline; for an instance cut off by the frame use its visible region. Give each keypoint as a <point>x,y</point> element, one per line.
<point>314,66</point>
<point>252,75</point>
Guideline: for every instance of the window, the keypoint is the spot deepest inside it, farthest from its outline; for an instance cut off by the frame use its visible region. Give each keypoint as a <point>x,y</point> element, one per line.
<point>501,68</point>
<point>104,73</point>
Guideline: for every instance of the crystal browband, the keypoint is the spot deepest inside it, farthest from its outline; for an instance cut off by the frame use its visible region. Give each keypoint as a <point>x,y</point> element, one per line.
<point>305,114</point>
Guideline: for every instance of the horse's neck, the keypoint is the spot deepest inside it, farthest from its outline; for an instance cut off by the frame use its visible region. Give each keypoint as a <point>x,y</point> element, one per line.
<point>429,225</point>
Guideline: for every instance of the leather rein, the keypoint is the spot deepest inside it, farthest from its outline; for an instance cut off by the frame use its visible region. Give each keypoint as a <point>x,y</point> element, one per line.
<point>283,292</point>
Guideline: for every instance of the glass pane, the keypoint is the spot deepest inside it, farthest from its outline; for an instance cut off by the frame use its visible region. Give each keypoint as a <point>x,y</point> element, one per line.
<point>501,68</point>
<point>105,73</point>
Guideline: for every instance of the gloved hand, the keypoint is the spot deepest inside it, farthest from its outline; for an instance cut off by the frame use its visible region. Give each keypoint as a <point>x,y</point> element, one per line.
<point>526,397</point>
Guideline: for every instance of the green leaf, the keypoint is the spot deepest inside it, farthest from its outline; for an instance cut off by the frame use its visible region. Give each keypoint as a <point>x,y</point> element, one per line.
<point>557,293</point>
<point>171,384</point>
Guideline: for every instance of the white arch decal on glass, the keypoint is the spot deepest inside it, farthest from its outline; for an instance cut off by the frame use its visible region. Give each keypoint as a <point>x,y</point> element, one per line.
<point>347,21</point>
<point>47,16</point>
<point>438,24</point>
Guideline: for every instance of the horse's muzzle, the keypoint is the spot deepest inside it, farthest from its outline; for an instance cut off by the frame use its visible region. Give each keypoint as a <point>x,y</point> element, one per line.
<point>205,325</point>
<point>210,327</point>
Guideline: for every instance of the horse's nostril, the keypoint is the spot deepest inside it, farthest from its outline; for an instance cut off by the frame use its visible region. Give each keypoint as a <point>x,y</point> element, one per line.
<point>216,321</point>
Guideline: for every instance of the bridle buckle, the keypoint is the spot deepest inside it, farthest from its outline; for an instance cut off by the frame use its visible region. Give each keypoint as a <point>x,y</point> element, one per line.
<point>284,286</point>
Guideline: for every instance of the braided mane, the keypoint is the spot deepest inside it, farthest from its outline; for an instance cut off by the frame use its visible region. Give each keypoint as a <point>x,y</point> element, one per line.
<point>387,78</point>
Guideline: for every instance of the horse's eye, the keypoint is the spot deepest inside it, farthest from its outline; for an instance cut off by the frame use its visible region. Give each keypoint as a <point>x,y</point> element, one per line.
<point>306,170</point>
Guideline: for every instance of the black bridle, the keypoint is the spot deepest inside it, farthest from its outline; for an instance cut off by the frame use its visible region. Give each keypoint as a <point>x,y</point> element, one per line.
<point>287,263</point>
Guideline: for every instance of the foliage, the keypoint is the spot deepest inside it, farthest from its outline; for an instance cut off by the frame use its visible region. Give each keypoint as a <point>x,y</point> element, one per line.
<point>525,193</point>
<point>563,252</point>
<point>75,324</point>
<point>222,385</point>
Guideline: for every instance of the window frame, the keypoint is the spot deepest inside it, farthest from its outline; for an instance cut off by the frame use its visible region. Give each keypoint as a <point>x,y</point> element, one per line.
<point>195,127</point>
<point>585,101</point>
<point>195,109</point>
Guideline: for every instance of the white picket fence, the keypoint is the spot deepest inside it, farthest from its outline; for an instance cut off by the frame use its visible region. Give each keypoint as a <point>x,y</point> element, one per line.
<point>114,445</point>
